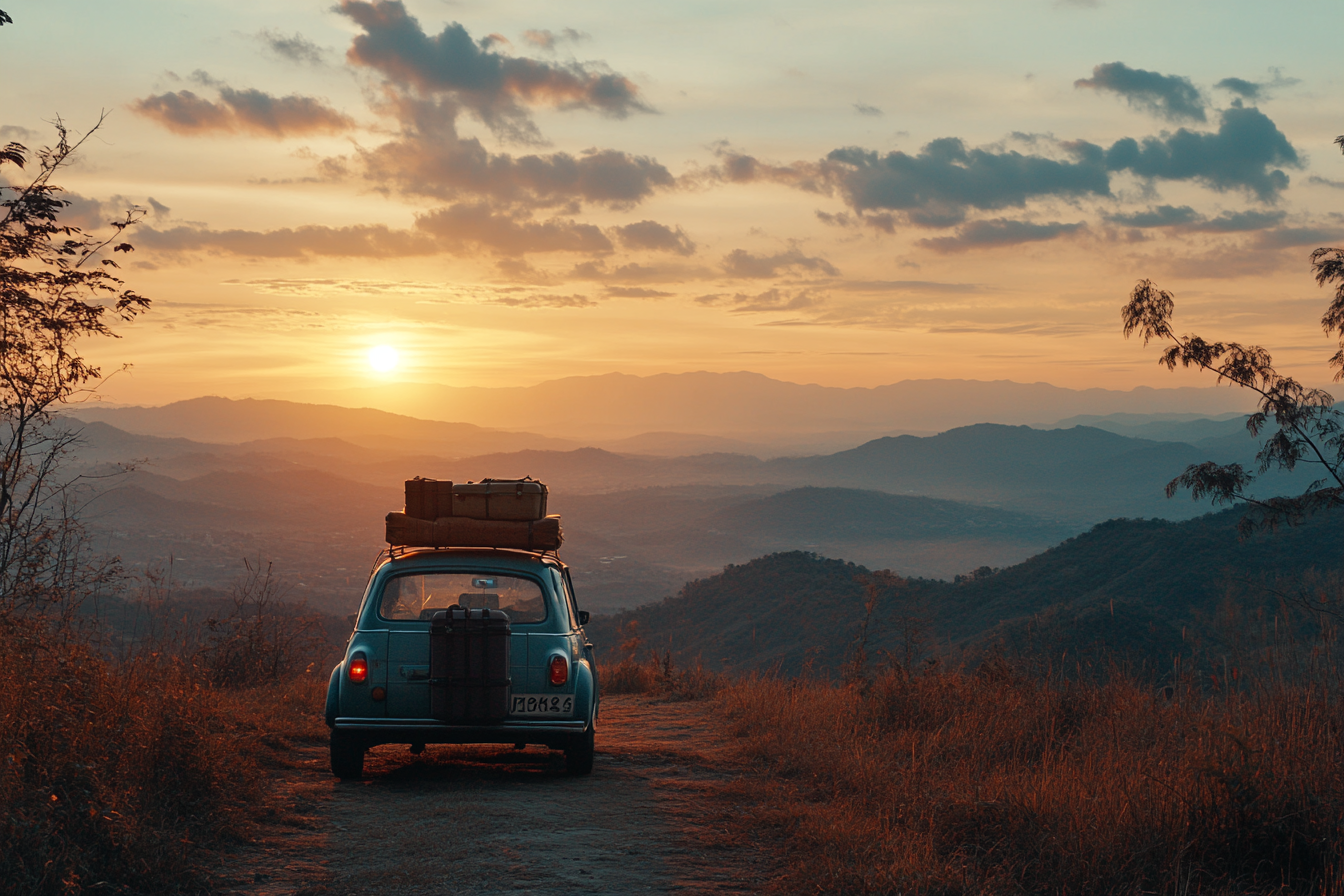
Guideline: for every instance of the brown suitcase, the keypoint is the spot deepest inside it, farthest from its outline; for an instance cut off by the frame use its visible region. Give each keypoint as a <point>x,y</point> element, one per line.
<point>500,499</point>
<point>456,532</point>
<point>429,499</point>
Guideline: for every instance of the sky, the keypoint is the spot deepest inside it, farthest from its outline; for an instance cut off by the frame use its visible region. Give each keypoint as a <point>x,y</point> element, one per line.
<point>849,193</point>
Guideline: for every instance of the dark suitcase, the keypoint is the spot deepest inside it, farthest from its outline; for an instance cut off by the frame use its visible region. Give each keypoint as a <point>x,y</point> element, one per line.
<point>456,532</point>
<point>469,665</point>
<point>428,499</point>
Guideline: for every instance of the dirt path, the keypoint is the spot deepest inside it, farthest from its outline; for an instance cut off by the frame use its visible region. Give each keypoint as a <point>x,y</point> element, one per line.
<point>654,817</point>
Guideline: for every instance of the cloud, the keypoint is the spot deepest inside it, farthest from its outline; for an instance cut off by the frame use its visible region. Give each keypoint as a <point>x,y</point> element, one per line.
<point>242,111</point>
<point>770,300</point>
<point>430,158</point>
<point>358,241</point>
<point>1241,154</point>
<point>655,237</point>
<point>1256,90</point>
<point>15,132</point>
<point>495,87</point>
<point>543,39</point>
<point>636,292</point>
<point>740,263</point>
<point>1326,182</point>
<point>295,48</point>
<point>544,301</point>
<point>865,109</point>
<point>1187,219</point>
<point>459,227</point>
<point>999,232</point>
<point>323,286</point>
<point>1170,97</point>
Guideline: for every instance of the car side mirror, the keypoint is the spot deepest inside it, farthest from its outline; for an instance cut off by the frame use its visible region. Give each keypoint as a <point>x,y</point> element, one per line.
<point>583,617</point>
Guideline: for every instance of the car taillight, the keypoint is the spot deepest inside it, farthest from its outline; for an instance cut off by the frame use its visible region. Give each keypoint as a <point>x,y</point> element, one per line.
<point>559,670</point>
<point>359,668</point>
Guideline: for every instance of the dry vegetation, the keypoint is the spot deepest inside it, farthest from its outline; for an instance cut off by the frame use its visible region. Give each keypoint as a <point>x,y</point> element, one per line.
<point>118,772</point>
<point>993,783</point>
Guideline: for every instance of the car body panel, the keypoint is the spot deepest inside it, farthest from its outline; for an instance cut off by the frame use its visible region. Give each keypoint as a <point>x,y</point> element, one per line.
<point>398,655</point>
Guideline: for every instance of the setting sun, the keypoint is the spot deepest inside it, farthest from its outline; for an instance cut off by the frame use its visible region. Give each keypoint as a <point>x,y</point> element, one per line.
<point>383,358</point>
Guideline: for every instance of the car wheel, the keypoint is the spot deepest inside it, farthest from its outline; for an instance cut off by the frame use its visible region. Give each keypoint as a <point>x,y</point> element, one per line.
<point>347,757</point>
<point>579,753</point>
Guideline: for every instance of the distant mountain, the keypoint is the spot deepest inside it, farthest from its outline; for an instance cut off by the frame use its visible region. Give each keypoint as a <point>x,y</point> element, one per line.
<point>227,421</point>
<point>755,408</point>
<point>1126,589</point>
<point>1190,428</point>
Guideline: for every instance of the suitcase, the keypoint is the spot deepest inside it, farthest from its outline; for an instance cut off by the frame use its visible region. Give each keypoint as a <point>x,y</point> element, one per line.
<point>469,665</point>
<point>457,532</point>
<point>428,499</point>
<point>500,499</point>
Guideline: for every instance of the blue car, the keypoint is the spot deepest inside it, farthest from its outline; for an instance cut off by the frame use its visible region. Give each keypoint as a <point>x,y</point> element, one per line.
<point>383,691</point>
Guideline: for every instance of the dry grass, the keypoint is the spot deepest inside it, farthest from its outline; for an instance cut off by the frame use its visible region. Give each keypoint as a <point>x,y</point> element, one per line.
<point>660,676</point>
<point>990,784</point>
<point>112,773</point>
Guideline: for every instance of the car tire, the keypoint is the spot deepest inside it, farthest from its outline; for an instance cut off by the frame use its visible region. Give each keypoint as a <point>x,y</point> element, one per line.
<point>579,753</point>
<point>347,757</point>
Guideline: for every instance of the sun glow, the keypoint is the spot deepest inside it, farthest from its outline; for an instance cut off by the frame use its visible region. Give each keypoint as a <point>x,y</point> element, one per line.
<point>383,358</point>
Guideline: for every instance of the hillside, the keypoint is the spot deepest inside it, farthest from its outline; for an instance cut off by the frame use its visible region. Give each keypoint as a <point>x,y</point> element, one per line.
<point>1128,584</point>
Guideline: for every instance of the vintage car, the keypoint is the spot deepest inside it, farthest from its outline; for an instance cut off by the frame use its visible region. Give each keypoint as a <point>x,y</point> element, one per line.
<point>383,692</point>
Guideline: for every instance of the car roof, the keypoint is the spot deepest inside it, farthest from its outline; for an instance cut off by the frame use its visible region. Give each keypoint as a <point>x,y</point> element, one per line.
<point>449,558</point>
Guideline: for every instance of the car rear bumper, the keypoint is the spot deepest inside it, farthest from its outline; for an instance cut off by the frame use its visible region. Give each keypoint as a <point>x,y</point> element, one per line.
<point>550,732</point>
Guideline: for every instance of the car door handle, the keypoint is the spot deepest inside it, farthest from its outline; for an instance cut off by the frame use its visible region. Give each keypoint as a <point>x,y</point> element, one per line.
<point>415,673</point>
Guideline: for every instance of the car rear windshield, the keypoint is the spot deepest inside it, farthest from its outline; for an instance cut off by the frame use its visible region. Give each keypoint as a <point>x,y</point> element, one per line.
<point>420,596</point>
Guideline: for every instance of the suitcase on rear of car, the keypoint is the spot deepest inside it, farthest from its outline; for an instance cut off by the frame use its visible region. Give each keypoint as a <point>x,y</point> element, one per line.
<point>500,499</point>
<point>428,499</point>
<point>469,665</point>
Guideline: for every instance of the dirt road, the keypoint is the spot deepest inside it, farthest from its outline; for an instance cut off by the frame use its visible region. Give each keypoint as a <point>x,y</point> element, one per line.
<point>660,814</point>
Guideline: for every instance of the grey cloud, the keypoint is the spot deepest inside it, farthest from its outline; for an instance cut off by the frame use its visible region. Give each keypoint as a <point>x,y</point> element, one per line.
<point>865,109</point>
<point>242,111</point>
<point>769,300</point>
<point>655,237</point>
<point>636,292</point>
<point>461,226</point>
<point>999,232</point>
<point>1326,182</point>
<point>1241,154</point>
<point>430,158</point>
<point>295,48</point>
<point>740,263</point>
<point>1248,89</point>
<point>543,301</point>
<point>15,132</point>
<point>158,209</point>
<point>1171,97</point>
<point>495,87</point>
<point>1291,237</point>
<point>358,241</point>
<point>548,40</point>
<point>1186,218</point>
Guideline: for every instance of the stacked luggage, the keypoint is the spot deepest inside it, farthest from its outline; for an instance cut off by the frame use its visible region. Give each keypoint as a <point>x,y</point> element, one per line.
<point>492,513</point>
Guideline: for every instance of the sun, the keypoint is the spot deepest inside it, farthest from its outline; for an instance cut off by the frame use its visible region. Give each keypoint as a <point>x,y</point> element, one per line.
<point>383,358</point>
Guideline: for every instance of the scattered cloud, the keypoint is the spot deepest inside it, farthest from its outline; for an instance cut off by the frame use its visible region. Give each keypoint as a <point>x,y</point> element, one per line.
<point>324,286</point>
<point>545,300</point>
<point>1325,182</point>
<point>741,263</point>
<point>358,241</point>
<point>1256,90</point>
<point>242,111</point>
<point>293,47</point>
<point>636,292</point>
<point>10,132</point>
<point>497,88</point>
<point>543,39</point>
<point>1187,219</point>
<point>655,237</point>
<point>459,227</point>
<point>1170,97</point>
<point>999,232</point>
<point>770,300</point>
<point>865,109</point>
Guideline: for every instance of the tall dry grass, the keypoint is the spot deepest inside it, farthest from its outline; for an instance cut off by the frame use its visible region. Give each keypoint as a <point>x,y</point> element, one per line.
<point>118,772</point>
<point>997,784</point>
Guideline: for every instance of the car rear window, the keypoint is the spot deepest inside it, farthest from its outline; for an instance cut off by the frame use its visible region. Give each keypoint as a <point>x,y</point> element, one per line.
<point>419,596</point>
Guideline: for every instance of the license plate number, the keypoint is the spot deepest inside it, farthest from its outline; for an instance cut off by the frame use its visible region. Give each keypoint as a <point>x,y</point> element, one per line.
<point>542,705</point>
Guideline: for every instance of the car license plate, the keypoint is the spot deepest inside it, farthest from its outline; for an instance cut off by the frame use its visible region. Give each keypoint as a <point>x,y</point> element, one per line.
<point>542,705</point>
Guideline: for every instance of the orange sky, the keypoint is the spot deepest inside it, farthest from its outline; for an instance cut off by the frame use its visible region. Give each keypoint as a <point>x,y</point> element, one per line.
<point>852,194</point>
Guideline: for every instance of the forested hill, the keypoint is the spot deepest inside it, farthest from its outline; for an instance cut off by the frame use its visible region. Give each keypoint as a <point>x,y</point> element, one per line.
<point>1127,584</point>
